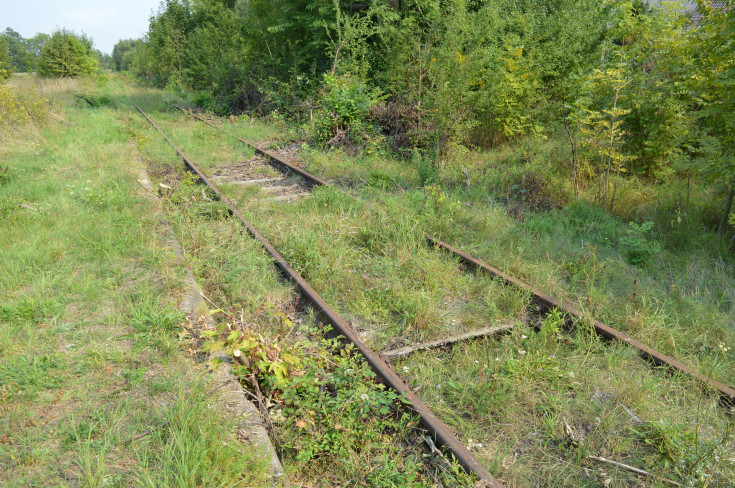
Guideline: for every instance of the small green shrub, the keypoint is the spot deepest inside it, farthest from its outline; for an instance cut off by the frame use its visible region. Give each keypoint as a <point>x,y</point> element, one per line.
<point>339,407</point>
<point>97,101</point>
<point>637,245</point>
<point>346,101</point>
<point>268,362</point>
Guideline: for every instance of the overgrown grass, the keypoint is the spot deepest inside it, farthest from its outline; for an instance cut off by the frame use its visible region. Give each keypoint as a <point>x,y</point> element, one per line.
<point>92,380</point>
<point>513,397</point>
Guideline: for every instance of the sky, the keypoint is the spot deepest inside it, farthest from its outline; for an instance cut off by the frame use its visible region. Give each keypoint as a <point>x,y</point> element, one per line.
<point>105,21</point>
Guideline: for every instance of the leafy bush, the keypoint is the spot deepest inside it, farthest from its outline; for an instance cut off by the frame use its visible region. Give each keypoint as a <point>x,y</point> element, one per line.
<point>267,362</point>
<point>347,103</point>
<point>67,55</point>
<point>20,106</point>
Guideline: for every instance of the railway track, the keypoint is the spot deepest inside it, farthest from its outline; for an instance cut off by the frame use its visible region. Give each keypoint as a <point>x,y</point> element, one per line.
<point>296,180</point>
<point>544,302</point>
<point>440,433</point>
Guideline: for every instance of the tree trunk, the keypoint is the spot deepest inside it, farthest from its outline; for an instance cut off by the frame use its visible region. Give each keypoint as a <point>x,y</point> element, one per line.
<point>573,144</point>
<point>615,188</point>
<point>689,184</point>
<point>728,207</point>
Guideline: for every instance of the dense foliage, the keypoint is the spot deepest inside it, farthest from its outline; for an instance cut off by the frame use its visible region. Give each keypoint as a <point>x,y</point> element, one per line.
<point>66,54</point>
<point>635,89</point>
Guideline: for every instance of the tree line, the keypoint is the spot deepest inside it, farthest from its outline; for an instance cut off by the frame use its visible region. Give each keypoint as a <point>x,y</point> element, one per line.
<point>634,88</point>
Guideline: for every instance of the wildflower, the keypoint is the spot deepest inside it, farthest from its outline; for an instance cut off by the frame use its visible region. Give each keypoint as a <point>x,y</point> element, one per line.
<point>364,397</point>
<point>521,352</point>
<point>524,337</point>
<point>405,369</point>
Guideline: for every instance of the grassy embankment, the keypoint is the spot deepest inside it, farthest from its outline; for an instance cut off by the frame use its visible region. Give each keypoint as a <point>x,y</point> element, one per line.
<point>94,388</point>
<point>537,403</point>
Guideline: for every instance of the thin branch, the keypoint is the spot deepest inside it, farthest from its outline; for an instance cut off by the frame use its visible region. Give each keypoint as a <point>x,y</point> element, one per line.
<point>632,469</point>
<point>487,331</point>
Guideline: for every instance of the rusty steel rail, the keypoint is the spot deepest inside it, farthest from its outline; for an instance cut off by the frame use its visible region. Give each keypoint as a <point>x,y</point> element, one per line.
<point>439,431</point>
<point>542,300</point>
<point>547,303</point>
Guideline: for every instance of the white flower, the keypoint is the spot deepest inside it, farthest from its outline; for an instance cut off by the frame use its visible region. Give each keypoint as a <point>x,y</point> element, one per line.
<point>521,352</point>
<point>472,444</point>
<point>524,337</point>
<point>405,369</point>
<point>364,397</point>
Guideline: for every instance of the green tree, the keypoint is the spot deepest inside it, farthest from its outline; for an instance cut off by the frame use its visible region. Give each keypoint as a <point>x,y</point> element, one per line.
<point>602,133</point>
<point>167,41</point>
<point>35,45</point>
<point>5,63</point>
<point>713,88</point>
<point>121,59</point>
<point>20,57</point>
<point>67,55</point>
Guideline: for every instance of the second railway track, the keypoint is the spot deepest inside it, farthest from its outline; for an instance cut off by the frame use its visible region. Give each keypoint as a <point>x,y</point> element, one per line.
<point>545,302</point>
